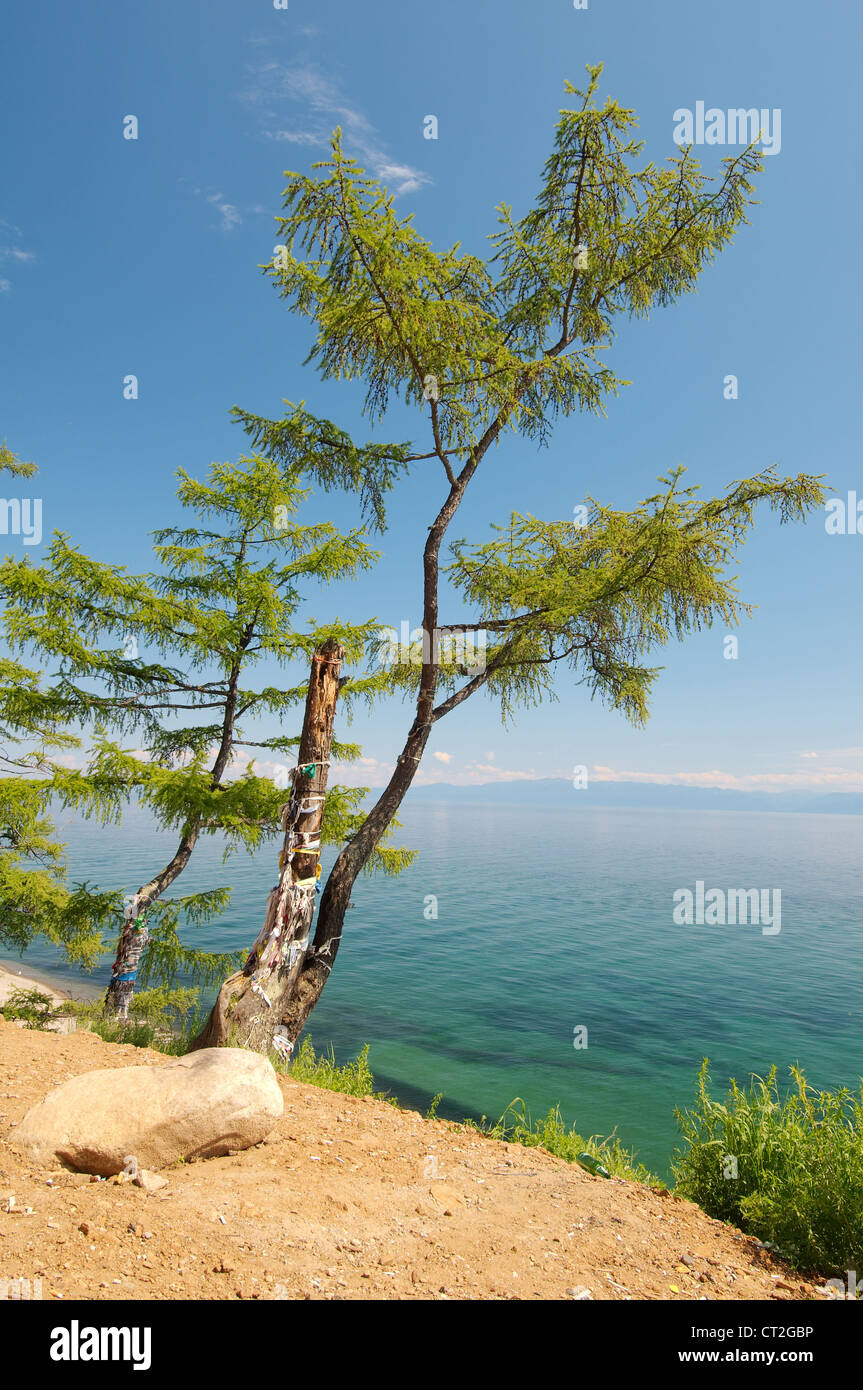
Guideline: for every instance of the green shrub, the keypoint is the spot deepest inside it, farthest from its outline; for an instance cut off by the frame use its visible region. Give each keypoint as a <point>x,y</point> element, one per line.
<point>798,1159</point>
<point>353,1079</point>
<point>31,1007</point>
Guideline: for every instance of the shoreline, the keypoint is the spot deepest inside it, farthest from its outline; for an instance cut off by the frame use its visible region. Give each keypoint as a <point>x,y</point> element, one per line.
<point>14,975</point>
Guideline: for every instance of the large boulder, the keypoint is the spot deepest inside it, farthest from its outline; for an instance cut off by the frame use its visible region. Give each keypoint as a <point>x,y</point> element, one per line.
<point>213,1102</point>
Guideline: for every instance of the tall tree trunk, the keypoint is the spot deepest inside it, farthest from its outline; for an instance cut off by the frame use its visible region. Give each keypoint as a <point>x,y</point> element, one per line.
<point>254,1004</point>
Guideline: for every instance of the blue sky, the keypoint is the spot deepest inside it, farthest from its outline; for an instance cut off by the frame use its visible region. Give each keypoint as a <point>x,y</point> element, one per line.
<point>120,256</point>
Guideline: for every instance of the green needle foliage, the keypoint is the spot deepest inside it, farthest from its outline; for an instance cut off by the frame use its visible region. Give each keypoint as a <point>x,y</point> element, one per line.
<point>508,344</point>
<point>598,597</point>
<point>167,659</point>
<point>35,896</point>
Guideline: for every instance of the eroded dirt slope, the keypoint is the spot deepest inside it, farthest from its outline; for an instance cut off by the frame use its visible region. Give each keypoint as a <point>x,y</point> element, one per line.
<point>350,1198</point>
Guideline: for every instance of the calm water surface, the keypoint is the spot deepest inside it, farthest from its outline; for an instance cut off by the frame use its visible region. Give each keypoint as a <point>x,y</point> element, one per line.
<point>482,1002</point>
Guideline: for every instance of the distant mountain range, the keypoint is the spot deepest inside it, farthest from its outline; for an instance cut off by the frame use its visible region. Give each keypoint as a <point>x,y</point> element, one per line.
<point>558,791</point>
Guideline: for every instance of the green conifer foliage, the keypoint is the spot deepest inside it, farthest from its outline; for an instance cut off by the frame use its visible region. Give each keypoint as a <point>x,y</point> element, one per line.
<point>158,671</point>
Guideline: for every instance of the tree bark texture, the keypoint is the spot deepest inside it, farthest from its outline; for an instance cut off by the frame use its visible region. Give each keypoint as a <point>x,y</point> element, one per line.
<point>254,1005</point>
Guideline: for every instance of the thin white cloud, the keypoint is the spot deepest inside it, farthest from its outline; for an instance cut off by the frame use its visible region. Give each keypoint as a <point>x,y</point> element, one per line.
<point>16,254</point>
<point>369,772</point>
<point>365,772</point>
<point>272,84</point>
<point>476,774</point>
<point>833,754</point>
<point>402,176</point>
<point>229,212</point>
<point>831,779</point>
<point>71,760</point>
<point>296,137</point>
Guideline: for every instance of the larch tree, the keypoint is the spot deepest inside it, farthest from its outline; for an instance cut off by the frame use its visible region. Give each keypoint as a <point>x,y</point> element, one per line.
<point>169,658</point>
<point>482,348</point>
<point>36,898</point>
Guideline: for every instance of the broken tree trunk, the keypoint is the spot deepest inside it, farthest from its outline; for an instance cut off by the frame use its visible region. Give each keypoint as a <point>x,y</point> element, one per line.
<point>253,1004</point>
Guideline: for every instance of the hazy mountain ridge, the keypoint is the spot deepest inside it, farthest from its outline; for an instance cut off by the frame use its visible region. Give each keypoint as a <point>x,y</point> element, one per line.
<point>559,791</point>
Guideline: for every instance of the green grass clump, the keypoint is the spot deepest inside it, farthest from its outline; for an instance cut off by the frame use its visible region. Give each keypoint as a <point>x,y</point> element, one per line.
<point>798,1159</point>
<point>516,1127</point>
<point>353,1079</point>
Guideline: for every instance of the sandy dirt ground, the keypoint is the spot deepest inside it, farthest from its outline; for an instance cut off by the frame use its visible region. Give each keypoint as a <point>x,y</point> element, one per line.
<point>350,1198</point>
<point>12,979</point>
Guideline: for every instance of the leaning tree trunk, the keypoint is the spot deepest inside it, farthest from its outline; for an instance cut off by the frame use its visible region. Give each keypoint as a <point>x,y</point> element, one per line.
<point>133,939</point>
<point>135,933</point>
<point>254,1004</point>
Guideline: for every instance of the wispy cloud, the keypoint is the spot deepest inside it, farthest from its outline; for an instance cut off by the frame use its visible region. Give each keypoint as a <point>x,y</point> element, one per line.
<point>373,772</point>
<point>442,769</point>
<point>10,253</point>
<point>832,755</point>
<point>477,774</point>
<point>296,137</point>
<point>369,772</point>
<point>810,779</point>
<point>272,85</point>
<point>229,212</point>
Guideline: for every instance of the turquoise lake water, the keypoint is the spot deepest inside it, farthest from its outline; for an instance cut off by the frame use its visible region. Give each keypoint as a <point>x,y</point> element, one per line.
<point>482,1003</point>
